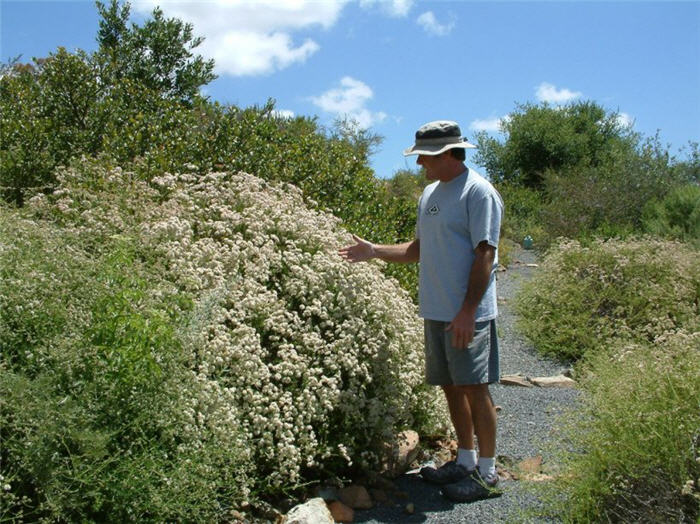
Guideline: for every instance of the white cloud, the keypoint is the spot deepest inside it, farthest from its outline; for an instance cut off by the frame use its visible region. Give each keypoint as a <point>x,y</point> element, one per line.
<point>397,8</point>
<point>349,100</point>
<point>252,37</point>
<point>624,120</point>
<point>431,25</point>
<point>491,125</point>
<point>551,94</point>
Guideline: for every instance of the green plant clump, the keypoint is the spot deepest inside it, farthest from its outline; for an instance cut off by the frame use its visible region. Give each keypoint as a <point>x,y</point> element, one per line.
<point>638,436</point>
<point>585,296</point>
<point>95,388</point>
<point>676,216</point>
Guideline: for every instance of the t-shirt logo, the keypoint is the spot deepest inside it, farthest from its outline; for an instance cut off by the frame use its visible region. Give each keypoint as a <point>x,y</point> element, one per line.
<point>433,210</point>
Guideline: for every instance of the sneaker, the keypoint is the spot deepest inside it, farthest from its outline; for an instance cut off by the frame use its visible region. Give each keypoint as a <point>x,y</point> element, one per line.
<point>474,487</point>
<point>448,473</point>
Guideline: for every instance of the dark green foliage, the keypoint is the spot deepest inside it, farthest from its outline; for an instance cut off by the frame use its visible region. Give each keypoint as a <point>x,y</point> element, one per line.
<point>676,216</point>
<point>584,173</point>
<point>543,137</point>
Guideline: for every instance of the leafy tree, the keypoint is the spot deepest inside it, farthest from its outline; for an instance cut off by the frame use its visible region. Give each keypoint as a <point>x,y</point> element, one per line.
<point>158,55</point>
<point>543,137</point>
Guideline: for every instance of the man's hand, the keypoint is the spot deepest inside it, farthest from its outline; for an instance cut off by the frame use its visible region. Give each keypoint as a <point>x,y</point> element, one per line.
<point>361,251</point>
<point>462,327</point>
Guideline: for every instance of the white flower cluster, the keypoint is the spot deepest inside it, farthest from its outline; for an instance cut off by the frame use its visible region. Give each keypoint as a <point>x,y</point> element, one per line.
<point>323,358</point>
<point>317,361</point>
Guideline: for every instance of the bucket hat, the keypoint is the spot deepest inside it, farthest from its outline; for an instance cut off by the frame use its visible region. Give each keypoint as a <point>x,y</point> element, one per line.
<point>437,137</point>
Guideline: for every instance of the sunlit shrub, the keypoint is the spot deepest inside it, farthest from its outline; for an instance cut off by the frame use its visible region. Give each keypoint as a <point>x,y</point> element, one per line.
<point>583,296</point>
<point>676,216</point>
<point>637,436</point>
<point>96,393</point>
<point>324,357</point>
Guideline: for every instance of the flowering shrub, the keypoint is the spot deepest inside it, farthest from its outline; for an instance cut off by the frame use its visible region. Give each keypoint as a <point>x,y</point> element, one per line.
<point>96,392</point>
<point>324,357</point>
<point>209,323</point>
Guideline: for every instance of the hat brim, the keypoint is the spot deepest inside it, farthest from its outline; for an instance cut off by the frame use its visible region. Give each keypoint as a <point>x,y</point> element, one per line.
<point>436,149</point>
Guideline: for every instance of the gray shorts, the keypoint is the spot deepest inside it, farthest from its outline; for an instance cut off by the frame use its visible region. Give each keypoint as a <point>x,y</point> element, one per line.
<point>445,365</point>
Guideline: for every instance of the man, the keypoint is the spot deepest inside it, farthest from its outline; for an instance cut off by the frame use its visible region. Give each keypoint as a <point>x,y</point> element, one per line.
<point>457,233</point>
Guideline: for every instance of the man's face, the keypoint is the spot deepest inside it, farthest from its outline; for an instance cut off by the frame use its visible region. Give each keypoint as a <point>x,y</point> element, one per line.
<point>434,165</point>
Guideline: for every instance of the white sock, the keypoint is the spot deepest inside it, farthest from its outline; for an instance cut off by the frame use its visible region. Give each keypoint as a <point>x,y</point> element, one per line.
<point>487,466</point>
<point>466,458</point>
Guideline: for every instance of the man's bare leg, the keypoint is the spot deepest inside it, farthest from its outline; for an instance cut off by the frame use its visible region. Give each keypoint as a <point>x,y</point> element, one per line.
<point>483,414</point>
<point>461,415</point>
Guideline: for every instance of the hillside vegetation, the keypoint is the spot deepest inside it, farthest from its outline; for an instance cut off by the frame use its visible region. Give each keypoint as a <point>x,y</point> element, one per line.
<point>179,339</point>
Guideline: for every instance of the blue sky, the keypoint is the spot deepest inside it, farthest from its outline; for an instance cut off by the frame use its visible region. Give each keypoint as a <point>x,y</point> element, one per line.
<point>394,65</point>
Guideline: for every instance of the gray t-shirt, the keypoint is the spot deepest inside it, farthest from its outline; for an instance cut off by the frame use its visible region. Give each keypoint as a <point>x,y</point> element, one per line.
<point>453,218</point>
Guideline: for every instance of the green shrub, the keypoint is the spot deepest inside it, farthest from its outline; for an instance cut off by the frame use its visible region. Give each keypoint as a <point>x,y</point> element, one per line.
<point>540,138</point>
<point>676,216</point>
<point>585,296</point>
<point>637,433</point>
<point>96,392</point>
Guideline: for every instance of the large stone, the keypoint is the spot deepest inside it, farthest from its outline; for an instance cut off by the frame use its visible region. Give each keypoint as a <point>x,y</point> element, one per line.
<point>355,497</point>
<point>400,453</point>
<point>515,380</point>
<point>557,381</point>
<point>313,511</point>
<point>340,512</point>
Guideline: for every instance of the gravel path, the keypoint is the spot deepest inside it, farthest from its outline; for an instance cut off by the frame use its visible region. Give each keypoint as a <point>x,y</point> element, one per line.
<point>524,424</point>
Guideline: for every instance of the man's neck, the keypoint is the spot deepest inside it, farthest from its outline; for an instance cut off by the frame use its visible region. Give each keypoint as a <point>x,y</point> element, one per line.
<point>453,171</point>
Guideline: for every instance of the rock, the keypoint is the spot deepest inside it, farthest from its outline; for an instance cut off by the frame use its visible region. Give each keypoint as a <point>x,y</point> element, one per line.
<point>401,453</point>
<point>532,265</point>
<point>313,511</point>
<point>340,512</point>
<point>355,497</point>
<point>557,381</point>
<point>515,380</point>
<point>410,508</point>
<point>540,477</point>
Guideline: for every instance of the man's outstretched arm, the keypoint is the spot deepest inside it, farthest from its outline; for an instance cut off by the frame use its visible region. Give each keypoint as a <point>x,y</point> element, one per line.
<point>363,250</point>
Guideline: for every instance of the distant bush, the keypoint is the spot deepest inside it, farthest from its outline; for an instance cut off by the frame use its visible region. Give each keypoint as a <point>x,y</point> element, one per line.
<point>540,138</point>
<point>522,213</point>
<point>676,216</point>
<point>638,435</point>
<point>173,349</point>
<point>584,296</point>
